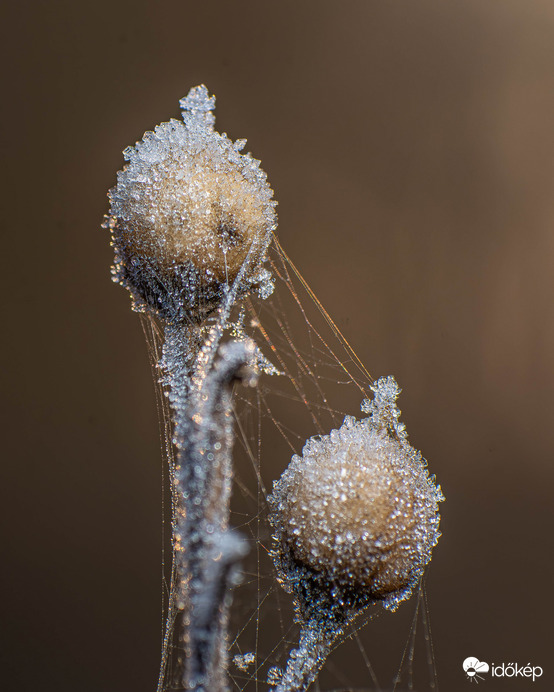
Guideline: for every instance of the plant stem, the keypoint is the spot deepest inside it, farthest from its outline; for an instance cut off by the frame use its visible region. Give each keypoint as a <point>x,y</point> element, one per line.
<point>305,662</point>
<point>205,550</point>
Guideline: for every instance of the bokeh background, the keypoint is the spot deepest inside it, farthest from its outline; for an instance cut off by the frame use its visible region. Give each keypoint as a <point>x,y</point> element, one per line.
<point>410,147</point>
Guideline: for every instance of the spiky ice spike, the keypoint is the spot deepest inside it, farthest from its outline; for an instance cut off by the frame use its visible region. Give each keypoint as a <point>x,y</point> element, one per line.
<point>190,217</point>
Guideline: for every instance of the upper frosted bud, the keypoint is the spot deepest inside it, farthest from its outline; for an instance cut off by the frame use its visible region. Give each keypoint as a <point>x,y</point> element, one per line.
<point>190,216</point>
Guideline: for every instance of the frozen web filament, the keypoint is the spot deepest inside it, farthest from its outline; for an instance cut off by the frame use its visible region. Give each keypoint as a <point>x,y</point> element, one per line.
<point>355,515</point>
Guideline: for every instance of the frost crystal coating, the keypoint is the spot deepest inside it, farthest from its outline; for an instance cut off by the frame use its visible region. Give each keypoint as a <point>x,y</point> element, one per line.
<point>189,216</point>
<point>357,512</point>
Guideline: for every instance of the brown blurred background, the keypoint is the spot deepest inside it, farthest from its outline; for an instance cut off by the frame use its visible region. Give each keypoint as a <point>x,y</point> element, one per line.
<point>410,147</point>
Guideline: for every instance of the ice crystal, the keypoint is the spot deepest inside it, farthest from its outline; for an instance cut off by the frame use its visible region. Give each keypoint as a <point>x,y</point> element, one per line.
<point>382,409</point>
<point>244,661</point>
<point>238,332</point>
<point>274,675</point>
<point>189,216</point>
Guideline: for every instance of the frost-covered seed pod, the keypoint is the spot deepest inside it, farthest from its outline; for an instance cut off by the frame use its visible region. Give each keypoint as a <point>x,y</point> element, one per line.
<point>188,213</point>
<point>358,510</point>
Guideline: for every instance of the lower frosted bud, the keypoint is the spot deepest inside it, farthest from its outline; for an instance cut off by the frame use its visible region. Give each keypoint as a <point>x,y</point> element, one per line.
<point>356,516</point>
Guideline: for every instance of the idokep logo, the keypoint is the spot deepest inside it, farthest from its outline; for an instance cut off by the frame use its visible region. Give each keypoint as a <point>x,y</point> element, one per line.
<point>475,670</point>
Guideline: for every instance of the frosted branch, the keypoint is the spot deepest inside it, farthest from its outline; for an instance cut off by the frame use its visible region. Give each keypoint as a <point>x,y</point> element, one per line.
<point>206,551</point>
